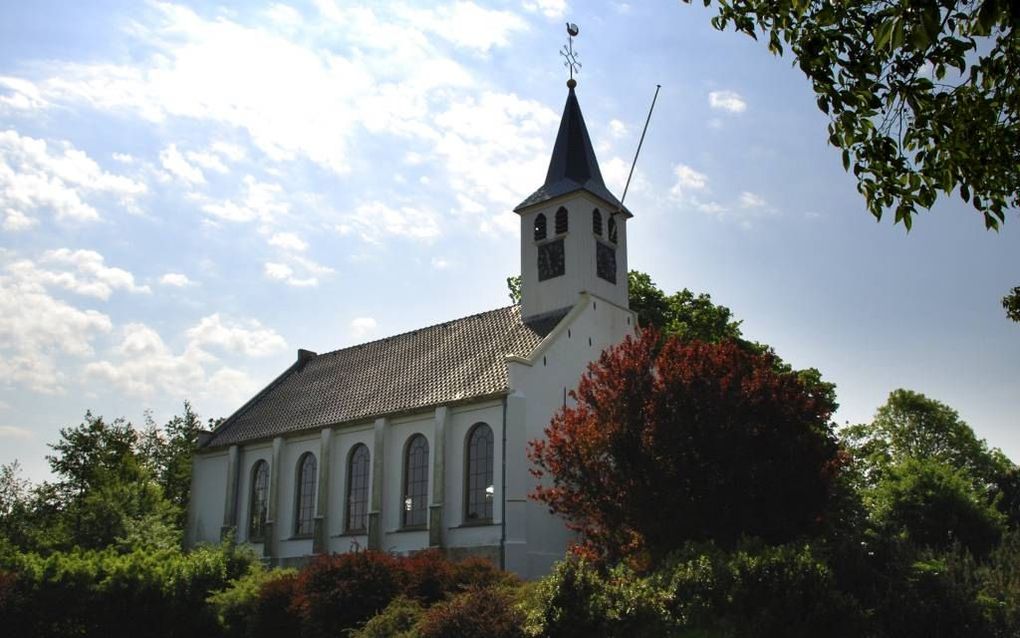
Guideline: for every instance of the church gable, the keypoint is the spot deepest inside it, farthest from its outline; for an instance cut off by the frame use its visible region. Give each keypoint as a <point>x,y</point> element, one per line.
<point>441,364</point>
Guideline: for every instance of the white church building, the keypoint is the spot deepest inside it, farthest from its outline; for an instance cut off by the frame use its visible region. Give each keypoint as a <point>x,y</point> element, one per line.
<point>419,440</point>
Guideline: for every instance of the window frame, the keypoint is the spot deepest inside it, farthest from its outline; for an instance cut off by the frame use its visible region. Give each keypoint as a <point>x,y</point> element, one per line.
<point>415,483</point>
<point>349,503</point>
<point>257,533</point>
<point>300,506</point>
<point>470,500</point>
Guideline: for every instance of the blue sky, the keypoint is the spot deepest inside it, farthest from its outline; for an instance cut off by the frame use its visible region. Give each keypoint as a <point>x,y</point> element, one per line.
<point>191,192</point>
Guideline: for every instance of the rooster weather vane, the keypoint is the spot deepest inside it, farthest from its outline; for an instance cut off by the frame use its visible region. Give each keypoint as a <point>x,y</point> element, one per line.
<point>568,53</point>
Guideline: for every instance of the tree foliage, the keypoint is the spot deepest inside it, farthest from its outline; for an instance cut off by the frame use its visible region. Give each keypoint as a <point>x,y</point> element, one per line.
<point>113,486</point>
<point>1011,304</point>
<point>922,95</point>
<point>672,441</point>
<point>928,479</point>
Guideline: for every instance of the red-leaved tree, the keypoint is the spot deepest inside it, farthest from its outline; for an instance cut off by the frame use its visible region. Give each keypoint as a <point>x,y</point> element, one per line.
<point>671,441</point>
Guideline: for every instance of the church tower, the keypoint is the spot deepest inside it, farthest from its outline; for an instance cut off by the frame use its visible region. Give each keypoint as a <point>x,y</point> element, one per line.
<point>573,230</point>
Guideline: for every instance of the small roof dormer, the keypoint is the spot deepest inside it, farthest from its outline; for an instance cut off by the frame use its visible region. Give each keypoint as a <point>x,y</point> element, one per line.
<point>573,166</point>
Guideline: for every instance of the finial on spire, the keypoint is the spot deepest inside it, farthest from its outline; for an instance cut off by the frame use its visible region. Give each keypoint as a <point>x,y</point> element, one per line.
<point>569,55</point>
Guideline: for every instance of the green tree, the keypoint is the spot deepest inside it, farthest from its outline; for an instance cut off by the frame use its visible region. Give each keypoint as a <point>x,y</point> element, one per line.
<point>921,95</point>
<point>1011,304</point>
<point>934,505</point>
<point>926,477</point>
<point>104,493</point>
<point>910,425</point>
<point>167,453</point>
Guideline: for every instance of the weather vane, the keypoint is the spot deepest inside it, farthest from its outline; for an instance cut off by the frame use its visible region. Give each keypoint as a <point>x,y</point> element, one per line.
<point>568,53</point>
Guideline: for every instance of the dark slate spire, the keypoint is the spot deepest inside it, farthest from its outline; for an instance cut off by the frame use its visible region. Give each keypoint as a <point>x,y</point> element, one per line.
<point>573,166</point>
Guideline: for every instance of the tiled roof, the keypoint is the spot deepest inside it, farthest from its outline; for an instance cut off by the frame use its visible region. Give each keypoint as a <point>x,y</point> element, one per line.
<point>445,363</point>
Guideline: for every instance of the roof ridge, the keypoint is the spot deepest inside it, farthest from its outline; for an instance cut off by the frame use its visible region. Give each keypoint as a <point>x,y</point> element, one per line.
<point>423,328</point>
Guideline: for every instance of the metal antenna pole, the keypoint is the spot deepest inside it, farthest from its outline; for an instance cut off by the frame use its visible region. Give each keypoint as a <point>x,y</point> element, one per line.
<point>647,120</point>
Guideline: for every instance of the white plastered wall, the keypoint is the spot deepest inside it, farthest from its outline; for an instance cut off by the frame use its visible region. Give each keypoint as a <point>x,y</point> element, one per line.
<point>535,538</point>
<point>208,492</point>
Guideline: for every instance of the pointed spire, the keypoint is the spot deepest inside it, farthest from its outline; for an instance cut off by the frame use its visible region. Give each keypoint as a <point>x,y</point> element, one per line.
<point>573,166</point>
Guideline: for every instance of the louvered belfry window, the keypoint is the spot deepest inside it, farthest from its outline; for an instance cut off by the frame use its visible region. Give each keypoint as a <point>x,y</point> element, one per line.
<point>561,221</point>
<point>357,490</point>
<point>596,222</point>
<point>416,482</point>
<point>304,519</point>
<point>480,464</point>
<point>540,227</point>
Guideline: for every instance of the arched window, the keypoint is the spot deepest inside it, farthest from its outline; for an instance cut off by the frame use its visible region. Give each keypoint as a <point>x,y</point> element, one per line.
<point>480,489</point>
<point>416,481</point>
<point>540,227</point>
<point>612,229</point>
<point>596,222</point>
<point>561,221</point>
<point>304,504</point>
<point>258,502</point>
<point>357,490</point>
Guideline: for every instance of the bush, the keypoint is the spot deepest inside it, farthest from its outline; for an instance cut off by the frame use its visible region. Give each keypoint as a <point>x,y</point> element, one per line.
<point>479,572</point>
<point>103,593</point>
<point>428,576</point>
<point>341,591</point>
<point>701,591</point>
<point>258,604</point>
<point>580,599</point>
<point>488,611</point>
<point>396,621</point>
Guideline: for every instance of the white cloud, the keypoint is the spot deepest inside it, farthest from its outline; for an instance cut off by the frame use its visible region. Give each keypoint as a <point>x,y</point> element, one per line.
<point>289,242</point>
<point>20,95</point>
<point>727,101</point>
<point>208,161</point>
<point>550,8</point>
<point>175,280</point>
<point>282,272</point>
<point>750,200</point>
<point>440,263</point>
<point>232,152</point>
<point>16,433</point>
<point>144,365</point>
<point>90,276</point>
<point>362,327</point>
<point>64,180</point>
<point>495,147</point>
<point>35,327</point>
<point>123,158</point>
<point>261,201</point>
<point>173,161</point>
<point>617,128</point>
<point>465,24</point>
<point>15,221</point>
<point>248,338</point>
<point>687,179</point>
<point>374,221</point>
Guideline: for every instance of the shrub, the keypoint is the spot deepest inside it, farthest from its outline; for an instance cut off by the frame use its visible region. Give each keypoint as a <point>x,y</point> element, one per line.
<point>428,576</point>
<point>257,604</point>
<point>488,611</point>
<point>340,591</point>
<point>580,599</point>
<point>479,572</point>
<point>103,593</point>
<point>396,621</point>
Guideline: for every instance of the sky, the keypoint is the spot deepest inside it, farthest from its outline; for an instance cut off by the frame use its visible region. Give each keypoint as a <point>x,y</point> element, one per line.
<point>190,192</point>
